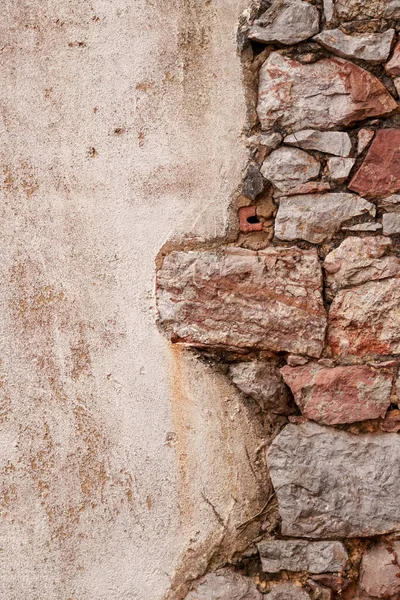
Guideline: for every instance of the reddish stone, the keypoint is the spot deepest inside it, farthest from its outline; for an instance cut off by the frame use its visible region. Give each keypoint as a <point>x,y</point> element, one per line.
<point>380,571</point>
<point>245,213</point>
<point>393,66</point>
<point>342,394</point>
<point>365,320</point>
<point>379,174</point>
<point>236,298</point>
<point>391,424</point>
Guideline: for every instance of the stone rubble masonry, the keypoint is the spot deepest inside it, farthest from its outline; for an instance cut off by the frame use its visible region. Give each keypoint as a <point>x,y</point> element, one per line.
<point>334,484</point>
<point>358,260</point>
<point>287,22</point>
<point>287,168</point>
<point>380,571</point>
<point>338,169</point>
<point>345,394</point>
<point>364,138</point>
<point>372,47</point>
<point>224,584</point>
<point>368,226</point>
<point>236,298</point>
<point>393,66</point>
<point>364,321</point>
<point>317,217</point>
<point>324,95</point>
<point>391,203</point>
<point>288,591</point>
<point>337,143</point>
<point>391,223</point>
<point>302,555</point>
<point>379,175</point>
<point>262,381</point>
<point>363,10</point>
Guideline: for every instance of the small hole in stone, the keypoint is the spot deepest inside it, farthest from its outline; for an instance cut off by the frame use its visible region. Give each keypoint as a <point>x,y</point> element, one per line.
<point>253,219</point>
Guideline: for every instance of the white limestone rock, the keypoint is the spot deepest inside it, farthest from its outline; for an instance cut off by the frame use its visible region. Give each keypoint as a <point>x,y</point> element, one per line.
<point>358,260</point>
<point>364,138</point>
<point>329,9</point>
<point>324,95</point>
<point>390,203</point>
<point>287,168</point>
<point>369,226</point>
<point>337,143</point>
<point>302,555</point>
<point>338,168</point>
<point>287,22</point>
<point>333,484</point>
<point>317,217</point>
<point>371,47</point>
<point>391,223</point>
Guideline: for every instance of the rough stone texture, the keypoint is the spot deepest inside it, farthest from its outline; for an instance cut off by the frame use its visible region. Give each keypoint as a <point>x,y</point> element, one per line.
<point>379,175</point>
<point>349,10</point>
<point>317,217</point>
<point>393,66</point>
<point>342,394</point>
<point>331,483</point>
<point>287,591</point>
<point>253,183</point>
<point>380,571</point>
<point>224,585</point>
<point>391,423</point>
<point>367,227</point>
<point>263,382</point>
<point>287,21</point>
<point>311,187</point>
<point>300,555</point>
<point>365,320</point>
<point>323,95</point>
<point>329,8</point>
<point>358,260</point>
<point>391,223</point>
<point>287,168</point>
<point>372,47</point>
<point>331,142</point>
<point>239,298</point>
<point>364,138</point>
<point>391,203</point>
<point>338,169</point>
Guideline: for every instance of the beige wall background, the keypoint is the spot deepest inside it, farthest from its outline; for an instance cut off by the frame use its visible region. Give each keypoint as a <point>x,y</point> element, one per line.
<point>124,462</point>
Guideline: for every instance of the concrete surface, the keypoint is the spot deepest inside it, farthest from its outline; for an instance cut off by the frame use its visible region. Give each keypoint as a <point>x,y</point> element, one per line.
<point>120,129</point>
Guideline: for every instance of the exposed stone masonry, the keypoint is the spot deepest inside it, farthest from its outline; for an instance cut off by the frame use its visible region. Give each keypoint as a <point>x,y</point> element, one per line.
<point>302,311</point>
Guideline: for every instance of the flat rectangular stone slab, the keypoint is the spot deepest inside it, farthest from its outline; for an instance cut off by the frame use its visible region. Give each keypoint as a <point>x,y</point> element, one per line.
<point>333,484</point>
<point>238,298</point>
<point>301,555</point>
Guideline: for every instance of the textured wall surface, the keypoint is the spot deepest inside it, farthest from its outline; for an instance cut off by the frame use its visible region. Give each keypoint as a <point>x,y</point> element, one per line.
<point>120,129</point>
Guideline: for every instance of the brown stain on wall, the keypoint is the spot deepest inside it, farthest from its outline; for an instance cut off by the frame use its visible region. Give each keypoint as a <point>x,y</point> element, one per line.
<point>80,479</point>
<point>180,405</point>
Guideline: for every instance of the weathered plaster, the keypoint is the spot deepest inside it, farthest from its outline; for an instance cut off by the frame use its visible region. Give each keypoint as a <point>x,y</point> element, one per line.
<point>120,129</point>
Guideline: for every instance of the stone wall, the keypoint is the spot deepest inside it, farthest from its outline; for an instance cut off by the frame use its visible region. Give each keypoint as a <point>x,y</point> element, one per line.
<point>302,311</point>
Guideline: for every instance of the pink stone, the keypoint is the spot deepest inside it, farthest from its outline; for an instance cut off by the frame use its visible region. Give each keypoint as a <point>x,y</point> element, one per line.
<point>393,66</point>
<point>341,394</point>
<point>365,320</point>
<point>323,95</point>
<point>380,571</point>
<point>364,138</point>
<point>379,175</point>
<point>236,298</point>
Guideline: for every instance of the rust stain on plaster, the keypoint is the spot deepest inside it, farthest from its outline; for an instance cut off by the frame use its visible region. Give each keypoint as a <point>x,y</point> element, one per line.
<point>180,418</point>
<point>89,481</point>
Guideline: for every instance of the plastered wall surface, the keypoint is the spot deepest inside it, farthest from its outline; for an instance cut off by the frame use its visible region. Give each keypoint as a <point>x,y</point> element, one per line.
<point>122,459</point>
